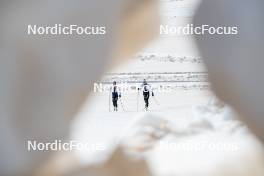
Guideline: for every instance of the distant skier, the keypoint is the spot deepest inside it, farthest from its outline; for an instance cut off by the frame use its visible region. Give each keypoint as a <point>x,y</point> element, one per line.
<point>115,95</point>
<point>146,89</point>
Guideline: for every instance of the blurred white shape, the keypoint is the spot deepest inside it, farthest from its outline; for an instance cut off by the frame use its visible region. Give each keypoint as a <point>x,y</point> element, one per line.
<point>235,62</point>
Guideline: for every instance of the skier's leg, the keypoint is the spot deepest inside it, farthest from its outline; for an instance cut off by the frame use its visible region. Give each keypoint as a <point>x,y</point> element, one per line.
<point>113,104</point>
<point>146,102</point>
<point>116,105</point>
<point>145,99</point>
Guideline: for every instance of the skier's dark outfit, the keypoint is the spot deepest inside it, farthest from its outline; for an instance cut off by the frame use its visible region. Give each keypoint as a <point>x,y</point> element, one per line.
<point>115,96</point>
<point>146,93</point>
<point>114,99</point>
<point>146,98</point>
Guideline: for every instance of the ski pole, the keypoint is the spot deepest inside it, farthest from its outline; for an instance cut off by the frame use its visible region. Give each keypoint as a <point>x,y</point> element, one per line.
<point>122,105</point>
<point>156,101</point>
<point>109,100</point>
<point>137,99</point>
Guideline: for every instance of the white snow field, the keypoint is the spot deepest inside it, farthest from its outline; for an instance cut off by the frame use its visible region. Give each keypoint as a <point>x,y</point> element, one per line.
<point>187,131</point>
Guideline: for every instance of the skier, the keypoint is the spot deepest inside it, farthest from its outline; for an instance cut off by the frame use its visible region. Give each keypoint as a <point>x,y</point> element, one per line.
<point>115,95</point>
<point>146,89</point>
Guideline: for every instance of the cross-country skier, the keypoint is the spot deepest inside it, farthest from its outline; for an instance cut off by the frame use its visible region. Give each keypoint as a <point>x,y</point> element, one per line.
<point>115,95</point>
<point>146,89</point>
